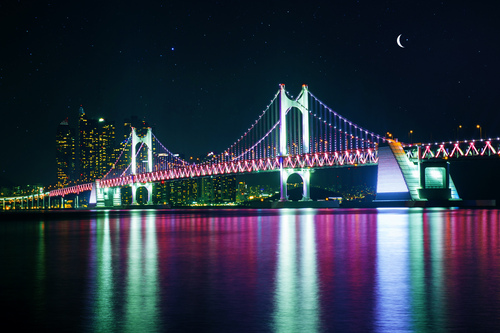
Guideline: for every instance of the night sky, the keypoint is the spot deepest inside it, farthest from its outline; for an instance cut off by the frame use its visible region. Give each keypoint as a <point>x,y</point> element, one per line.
<point>202,72</point>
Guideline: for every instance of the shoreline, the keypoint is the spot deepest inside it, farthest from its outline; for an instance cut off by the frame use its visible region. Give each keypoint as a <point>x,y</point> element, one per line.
<point>458,204</point>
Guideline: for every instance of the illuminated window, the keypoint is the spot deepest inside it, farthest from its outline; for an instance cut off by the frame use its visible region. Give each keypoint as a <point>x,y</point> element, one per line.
<point>435,177</point>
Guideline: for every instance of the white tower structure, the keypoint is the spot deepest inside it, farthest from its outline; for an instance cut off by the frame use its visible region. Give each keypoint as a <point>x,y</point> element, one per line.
<point>301,103</point>
<point>148,141</point>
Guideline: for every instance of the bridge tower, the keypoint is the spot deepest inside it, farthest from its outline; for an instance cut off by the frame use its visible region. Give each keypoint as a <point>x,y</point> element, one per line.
<point>302,103</point>
<point>148,141</point>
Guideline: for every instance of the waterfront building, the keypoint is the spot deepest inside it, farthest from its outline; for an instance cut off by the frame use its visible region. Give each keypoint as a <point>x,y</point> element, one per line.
<point>225,189</point>
<point>87,132</point>
<point>219,189</point>
<point>106,143</point>
<point>96,147</point>
<point>65,154</point>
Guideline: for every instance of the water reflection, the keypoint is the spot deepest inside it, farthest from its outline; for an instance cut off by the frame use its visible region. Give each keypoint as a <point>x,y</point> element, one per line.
<point>291,270</point>
<point>141,303</point>
<point>296,295</point>
<point>434,224</point>
<point>40,273</point>
<point>410,283</point>
<point>104,306</point>
<point>392,287</point>
<point>123,274</point>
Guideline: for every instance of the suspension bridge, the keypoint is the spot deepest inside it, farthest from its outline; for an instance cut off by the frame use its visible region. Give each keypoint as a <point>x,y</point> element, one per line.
<point>291,136</point>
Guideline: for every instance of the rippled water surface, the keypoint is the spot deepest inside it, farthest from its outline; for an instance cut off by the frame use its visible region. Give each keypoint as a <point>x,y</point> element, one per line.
<point>406,270</point>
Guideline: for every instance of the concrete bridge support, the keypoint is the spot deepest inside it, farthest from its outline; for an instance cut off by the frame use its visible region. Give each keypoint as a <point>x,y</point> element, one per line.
<point>117,196</point>
<point>305,174</point>
<point>149,188</point>
<point>302,104</point>
<point>104,195</point>
<point>100,197</point>
<point>399,179</point>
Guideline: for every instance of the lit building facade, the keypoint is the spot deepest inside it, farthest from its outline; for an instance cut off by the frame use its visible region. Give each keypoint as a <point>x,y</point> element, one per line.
<point>106,142</point>
<point>225,188</point>
<point>96,143</point>
<point>87,132</point>
<point>65,154</point>
<point>221,189</point>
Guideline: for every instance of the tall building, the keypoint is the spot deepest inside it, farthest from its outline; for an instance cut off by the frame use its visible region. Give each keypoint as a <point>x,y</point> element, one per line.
<point>96,147</point>
<point>87,133</point>
<point>225,188</point>
<point>106,144</point>
<point>217,189</point>
<point>65,154</point>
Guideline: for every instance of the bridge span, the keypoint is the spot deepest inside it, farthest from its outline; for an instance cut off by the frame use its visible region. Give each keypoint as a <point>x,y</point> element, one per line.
<point>293,136</point>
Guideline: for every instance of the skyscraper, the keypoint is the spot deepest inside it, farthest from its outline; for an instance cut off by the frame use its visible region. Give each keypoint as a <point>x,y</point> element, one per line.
<point>96,147</point>
<point>87,131</point>
<point>106,144</point>
<point>65,154</point>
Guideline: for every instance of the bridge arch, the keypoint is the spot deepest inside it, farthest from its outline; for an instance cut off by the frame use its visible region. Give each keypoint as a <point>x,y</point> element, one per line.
<point>305,174</point>
<point>302,104</point>
<point>147,139</point>
<point>136,187</point>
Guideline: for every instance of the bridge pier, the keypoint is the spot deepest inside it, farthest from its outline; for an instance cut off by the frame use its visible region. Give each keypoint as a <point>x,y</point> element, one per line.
<point>399,179</point>
<point>103,195</point>
<point>149,188</point>
<point>100,197</point>
<point>283,178</point>
<point>302,104</point>
<point>305,174</point>
<point>117,196</point>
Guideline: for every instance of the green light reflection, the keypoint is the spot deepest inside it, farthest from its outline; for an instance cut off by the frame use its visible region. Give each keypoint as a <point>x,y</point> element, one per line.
<point>296,293</point>
<point>40,270</point>
<point>417,272</point>
<point>141,308</point>
<point>437,294</point>
<point>104,320</point>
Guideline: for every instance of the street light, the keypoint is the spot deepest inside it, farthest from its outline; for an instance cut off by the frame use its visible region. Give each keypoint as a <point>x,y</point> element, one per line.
<point>480,132</point>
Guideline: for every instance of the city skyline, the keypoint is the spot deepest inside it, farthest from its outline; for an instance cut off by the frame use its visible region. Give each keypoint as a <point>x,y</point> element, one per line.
<point>208,70</point>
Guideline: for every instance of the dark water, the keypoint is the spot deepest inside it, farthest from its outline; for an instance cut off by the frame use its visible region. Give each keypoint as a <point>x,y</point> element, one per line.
<point>385,270</point>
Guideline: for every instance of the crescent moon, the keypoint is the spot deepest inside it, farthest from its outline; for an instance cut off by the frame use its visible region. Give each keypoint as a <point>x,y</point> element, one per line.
<point>398,40</point>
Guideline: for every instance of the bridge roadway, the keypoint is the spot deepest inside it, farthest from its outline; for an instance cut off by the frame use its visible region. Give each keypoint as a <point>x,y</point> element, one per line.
<point>358,157</point>
<point>444,151</point>
<point>36,201</point>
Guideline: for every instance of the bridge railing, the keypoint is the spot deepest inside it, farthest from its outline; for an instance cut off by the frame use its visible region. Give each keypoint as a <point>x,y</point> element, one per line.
<point>453,149</point>
<point>346,158</point>
<point>71,190</point>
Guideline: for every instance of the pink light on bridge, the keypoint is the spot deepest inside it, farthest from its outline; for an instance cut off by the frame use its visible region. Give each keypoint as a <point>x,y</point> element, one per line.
<point>355,157</point>
<point>71,190</point>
